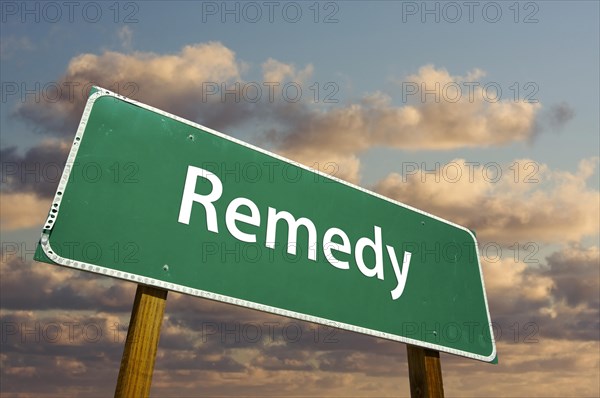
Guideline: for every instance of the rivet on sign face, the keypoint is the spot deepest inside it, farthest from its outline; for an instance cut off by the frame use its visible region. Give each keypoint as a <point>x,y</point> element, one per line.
<point>165,268</point>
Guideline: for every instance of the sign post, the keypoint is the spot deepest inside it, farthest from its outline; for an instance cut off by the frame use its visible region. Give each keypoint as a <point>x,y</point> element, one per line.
<point>169,204</point>
<point>424,372</point>
<point>137,362</point>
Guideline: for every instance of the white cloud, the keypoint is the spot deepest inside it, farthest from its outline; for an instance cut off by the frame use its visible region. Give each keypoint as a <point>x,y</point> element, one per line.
<point>276,71</point>
<point>11,45</point>
<point>125,35</point>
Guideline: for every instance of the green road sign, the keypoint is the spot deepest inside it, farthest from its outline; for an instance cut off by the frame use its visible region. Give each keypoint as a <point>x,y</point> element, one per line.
<point>155,199</point>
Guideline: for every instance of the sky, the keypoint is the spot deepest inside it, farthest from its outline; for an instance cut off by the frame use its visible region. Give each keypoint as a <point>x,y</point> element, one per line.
<point>483,113</point>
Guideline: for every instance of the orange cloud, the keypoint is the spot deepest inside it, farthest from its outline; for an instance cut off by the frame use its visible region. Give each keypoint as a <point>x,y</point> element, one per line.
<point>22,210</point>
<point>172,82</point>
<point>543,205</point>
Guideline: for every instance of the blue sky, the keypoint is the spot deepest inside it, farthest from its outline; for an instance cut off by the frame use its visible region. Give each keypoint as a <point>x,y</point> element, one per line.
<point>370,54</point>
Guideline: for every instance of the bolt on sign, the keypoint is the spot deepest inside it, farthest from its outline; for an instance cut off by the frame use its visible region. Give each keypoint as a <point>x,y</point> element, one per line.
<point>152,198</point>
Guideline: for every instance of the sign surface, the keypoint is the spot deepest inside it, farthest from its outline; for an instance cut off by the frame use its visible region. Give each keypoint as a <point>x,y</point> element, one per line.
<point>152,198</point>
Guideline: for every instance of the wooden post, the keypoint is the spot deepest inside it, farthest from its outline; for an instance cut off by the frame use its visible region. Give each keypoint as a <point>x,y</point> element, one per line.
<point>137,363</point>
<point>424,372</point>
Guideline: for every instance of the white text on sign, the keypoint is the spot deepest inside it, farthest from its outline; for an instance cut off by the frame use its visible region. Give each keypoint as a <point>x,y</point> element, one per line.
<point>232,217</point>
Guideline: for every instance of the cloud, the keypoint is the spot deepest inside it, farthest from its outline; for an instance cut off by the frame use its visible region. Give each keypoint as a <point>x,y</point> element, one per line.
<point>52,287</point>
<point>529,202</point>
<point>276,71</point>
<point>576,274</point>
<point>557,116</point>
<point>37,171</point>
<point>548,368</point>
<point>125,35</point>
<point>517,292</point>
<point>29,181</point>
<point>555,299</point>
<point>338,134</point>
<point>172,82</point>
<point>22,210</point>
<point>35,344</point>
<point>11,45</point>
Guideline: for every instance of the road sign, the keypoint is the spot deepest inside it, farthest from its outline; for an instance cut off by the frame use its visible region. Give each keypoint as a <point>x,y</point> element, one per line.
<point>152,198</point>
